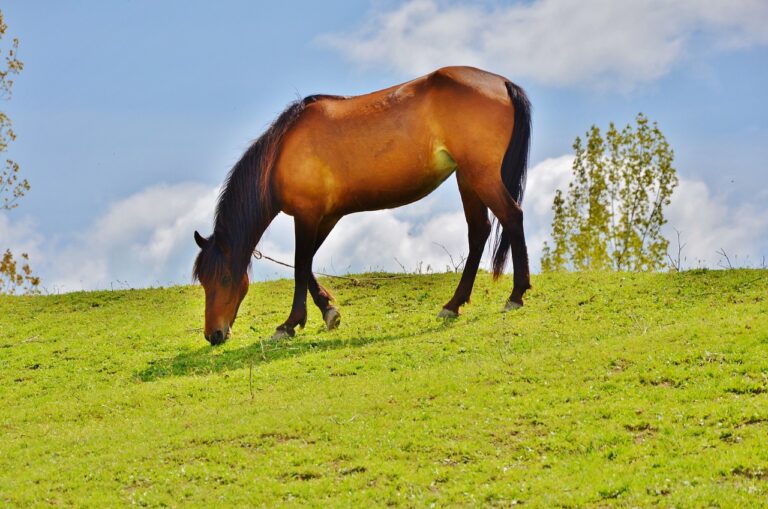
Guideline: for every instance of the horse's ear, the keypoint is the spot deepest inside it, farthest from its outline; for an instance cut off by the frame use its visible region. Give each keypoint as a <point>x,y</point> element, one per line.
<point>200,240</point>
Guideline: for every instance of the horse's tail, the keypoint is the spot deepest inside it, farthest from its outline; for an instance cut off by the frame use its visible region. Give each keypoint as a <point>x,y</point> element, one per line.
<point>514,167</point>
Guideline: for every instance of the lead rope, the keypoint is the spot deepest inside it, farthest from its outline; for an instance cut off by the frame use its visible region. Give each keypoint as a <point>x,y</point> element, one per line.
<point>355,281</point>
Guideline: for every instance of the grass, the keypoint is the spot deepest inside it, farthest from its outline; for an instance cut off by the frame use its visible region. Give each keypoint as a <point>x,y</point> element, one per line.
<point>605,390</point>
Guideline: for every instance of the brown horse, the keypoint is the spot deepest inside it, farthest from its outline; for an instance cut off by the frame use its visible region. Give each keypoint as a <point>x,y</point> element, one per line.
<point>329,156</point>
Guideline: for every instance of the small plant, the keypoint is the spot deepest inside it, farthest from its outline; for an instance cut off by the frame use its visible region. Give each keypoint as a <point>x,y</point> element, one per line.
<point>17,275</point>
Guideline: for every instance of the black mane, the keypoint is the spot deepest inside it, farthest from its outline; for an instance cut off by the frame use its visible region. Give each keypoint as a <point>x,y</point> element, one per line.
<point>247,203</point>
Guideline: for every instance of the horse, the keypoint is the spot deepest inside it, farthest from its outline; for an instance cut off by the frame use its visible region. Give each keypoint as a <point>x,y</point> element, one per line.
<point>327,156</point>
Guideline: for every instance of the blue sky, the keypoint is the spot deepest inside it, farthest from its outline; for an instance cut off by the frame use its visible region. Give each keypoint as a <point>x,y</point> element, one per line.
<point>129,114</point>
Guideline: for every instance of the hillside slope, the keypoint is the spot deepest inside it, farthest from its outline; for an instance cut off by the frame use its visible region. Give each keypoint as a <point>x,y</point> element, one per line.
<point>606,389</point>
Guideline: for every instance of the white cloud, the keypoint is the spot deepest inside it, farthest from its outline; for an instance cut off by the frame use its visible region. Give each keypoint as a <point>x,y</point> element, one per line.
<point>146,238</point>
<point>142,240</point>
<point>379,240</point>
<point>707,224</point>
<point>20,237</point>
<point>601,43</point>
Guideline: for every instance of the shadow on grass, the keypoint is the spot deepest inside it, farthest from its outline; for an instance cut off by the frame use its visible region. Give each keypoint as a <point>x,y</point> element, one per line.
<point>208,360</point>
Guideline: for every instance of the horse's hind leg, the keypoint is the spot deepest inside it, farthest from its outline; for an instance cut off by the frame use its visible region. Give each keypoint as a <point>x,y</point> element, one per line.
<point>510,215</point>
<point>478,226</point>
<point>320,295</point>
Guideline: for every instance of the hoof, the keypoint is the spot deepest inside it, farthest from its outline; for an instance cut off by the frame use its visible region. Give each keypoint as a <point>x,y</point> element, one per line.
<point>332,318</point>
<point>447,314</point>
<point>281,334</point>
<point>511,305</point>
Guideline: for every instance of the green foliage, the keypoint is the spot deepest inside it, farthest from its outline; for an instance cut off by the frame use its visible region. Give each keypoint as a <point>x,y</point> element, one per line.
<point>607,389</point>
<point>614,210</point>
<point>12,187</point>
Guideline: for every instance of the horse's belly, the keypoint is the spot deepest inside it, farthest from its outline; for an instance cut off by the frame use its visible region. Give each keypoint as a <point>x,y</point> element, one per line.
<point>392,182</point>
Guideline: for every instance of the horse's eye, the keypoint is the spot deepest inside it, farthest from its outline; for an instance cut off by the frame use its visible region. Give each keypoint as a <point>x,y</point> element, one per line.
<point>225,281</point>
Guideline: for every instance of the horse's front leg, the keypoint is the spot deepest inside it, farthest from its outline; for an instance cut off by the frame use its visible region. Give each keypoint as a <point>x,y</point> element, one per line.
<point>306,236</point>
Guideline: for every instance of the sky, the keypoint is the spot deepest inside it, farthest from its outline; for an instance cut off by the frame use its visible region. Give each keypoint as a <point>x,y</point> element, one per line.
<point>129,114</point>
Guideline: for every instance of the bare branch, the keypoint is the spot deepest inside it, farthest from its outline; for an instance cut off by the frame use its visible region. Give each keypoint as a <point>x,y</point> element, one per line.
<point>677,263</point>
<point>722,253</point>
<point>456,266</point>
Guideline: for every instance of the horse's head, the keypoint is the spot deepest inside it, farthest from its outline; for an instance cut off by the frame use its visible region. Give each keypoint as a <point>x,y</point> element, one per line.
<point>223,294</point>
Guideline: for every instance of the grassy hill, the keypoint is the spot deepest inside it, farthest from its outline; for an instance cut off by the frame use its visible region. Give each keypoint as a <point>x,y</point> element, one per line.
<point>606,389</point>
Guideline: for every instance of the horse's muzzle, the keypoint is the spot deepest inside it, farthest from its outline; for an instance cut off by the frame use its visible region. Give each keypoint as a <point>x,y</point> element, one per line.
<point>217,338</point>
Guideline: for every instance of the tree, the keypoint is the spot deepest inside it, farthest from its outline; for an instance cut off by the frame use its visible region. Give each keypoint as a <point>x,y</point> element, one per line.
<point>14,274</point>
<point>614,210</point>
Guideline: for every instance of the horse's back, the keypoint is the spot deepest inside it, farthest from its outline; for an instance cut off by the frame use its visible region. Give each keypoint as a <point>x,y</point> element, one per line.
<point>466,81</point>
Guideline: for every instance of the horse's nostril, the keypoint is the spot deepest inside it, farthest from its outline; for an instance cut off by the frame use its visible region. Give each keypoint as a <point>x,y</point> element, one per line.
<point>217,338</point>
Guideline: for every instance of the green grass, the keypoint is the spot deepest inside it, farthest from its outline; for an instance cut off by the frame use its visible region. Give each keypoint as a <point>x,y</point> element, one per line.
<point>605,390</point>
